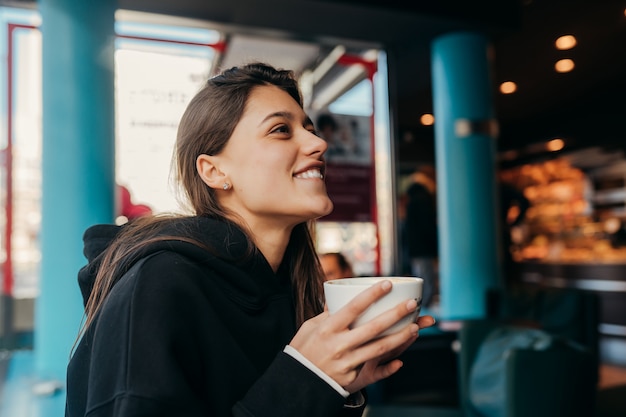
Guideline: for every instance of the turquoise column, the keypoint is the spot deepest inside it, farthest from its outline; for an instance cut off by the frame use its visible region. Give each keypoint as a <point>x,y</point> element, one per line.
<point>465,133</point>
<point>78,163</point>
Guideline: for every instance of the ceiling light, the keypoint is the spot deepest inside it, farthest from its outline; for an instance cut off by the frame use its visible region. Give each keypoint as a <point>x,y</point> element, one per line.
<point>555,145</point>
<point>508,87</point>
<point>564,65</point>
<point>427,119</point>
<point>565,42</point>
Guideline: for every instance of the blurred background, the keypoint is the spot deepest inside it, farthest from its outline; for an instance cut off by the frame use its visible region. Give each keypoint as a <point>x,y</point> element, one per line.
<point>557,87</point>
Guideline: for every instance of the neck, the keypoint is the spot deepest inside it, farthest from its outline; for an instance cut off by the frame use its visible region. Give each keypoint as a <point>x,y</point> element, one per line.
<point>271,239</point>
<point>272,244</point>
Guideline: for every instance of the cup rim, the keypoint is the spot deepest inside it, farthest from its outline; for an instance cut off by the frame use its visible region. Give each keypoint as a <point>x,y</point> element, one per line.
<point>371,280</point>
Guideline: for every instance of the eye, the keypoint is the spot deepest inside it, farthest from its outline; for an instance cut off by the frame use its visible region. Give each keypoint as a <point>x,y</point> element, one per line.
<point>311,129</point>
<point>283,128</point>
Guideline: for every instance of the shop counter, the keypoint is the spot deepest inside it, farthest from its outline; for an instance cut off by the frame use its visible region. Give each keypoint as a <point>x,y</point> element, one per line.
<point>608,280</point>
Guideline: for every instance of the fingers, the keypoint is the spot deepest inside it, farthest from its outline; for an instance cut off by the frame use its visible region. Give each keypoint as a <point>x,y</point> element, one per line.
<point>383,347</point>
<point>426,321</point>
<point>346,315</point>
<point>372,372</point>
<point>386,370</point>
<point>384,321</point>
<point>345,355</point>
<point>397,351</point>
<point>376,365</point>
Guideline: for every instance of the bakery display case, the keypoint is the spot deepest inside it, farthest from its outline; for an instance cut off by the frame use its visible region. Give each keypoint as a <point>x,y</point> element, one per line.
<point>574,231</point>
<point>574,215</point>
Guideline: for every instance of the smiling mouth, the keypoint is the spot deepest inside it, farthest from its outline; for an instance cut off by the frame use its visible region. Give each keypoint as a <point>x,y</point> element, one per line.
<point>311,173</point>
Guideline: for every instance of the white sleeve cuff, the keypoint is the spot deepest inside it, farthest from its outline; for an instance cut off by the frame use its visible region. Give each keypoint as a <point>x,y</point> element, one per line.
<point>317,371</point>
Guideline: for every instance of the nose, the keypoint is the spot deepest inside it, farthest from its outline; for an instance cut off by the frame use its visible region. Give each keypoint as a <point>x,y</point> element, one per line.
<point>314,144</point>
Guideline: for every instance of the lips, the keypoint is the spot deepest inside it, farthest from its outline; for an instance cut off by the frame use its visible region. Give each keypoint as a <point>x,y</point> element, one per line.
<point>310,173</point>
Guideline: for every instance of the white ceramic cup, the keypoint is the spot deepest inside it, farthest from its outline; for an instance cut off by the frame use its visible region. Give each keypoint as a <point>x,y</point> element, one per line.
<point>339,292</point>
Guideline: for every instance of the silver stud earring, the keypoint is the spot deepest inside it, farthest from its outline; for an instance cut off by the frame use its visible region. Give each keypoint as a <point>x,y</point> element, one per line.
<point>226,186</point>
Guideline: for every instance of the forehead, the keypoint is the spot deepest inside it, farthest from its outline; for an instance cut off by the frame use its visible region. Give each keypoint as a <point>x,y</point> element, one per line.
<point>268,99</point>
<point>329,260</point>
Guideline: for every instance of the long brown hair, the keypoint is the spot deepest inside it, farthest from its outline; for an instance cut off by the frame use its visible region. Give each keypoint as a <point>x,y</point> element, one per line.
<point>205,128</point>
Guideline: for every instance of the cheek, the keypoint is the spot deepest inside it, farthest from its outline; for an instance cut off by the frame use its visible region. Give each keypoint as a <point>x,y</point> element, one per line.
<point>266,157</point>
<point>271,167</point>
<point>256,180</point>
<point>263,168</point>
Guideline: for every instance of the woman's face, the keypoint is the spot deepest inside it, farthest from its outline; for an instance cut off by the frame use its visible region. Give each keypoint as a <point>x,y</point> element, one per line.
<point>332,269</point>
<point>274,164</point>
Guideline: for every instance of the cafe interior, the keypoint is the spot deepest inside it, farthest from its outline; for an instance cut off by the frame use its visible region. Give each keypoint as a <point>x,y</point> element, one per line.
<point>526,92</point>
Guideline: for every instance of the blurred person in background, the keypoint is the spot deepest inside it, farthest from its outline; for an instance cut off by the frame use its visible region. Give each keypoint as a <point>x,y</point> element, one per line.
<point>220,313</point>
<point>419,230</point>
<point>342,141</point>
<point>328,129</point>
<point>335,265</point>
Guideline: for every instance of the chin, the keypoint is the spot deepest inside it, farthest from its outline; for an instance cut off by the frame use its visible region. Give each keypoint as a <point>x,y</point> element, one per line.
<point>327,210</point>
<point>319,210</point>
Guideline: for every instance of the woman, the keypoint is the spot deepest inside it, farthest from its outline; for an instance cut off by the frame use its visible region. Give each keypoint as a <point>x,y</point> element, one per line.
<point>335,265</point>
<point>218,314</point>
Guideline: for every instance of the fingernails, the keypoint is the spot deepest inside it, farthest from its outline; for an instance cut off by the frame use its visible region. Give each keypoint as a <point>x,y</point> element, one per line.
<point>411,305</point>
<point>386,285</point>
<point>414,329</point>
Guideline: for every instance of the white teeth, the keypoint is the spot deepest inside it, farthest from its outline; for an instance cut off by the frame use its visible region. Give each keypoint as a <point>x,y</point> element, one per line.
<point>311,173</point>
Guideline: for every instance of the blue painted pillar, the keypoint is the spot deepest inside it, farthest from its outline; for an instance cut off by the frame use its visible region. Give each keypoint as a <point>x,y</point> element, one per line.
<point>78,163</point>
<point>465,133</point>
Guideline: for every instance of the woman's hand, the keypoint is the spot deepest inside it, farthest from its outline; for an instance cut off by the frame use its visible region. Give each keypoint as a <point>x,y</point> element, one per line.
<point>385,366</point>
<point>356,358</point>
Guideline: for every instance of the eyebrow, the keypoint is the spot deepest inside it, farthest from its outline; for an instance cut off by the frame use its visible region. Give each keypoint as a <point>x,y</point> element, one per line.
<point>286,115</point>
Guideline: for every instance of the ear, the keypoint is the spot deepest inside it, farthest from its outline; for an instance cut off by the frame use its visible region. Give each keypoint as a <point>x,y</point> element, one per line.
<point>207,167</point>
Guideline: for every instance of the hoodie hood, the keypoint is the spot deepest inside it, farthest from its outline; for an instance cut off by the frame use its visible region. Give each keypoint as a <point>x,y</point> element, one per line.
<point>95,241</point>
<point>221,244</point>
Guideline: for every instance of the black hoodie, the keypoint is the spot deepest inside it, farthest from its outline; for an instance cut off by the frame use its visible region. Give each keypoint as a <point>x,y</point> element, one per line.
<point>192,332</point>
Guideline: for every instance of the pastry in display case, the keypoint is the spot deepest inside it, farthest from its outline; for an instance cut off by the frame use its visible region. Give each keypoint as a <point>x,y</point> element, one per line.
<point>563,222</point>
